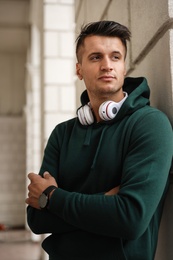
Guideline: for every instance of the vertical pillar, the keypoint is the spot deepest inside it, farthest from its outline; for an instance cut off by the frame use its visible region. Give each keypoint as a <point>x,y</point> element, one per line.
<point>33,93</point>
<point>59,87</point>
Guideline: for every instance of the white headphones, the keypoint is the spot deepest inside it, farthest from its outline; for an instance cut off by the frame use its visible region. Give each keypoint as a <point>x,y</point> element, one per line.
<point>107,111</point>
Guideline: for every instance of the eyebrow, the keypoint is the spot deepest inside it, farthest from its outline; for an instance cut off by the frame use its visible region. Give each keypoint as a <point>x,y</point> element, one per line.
<point>94,53</point>
<point>100,53</point>
<point>117,52</point>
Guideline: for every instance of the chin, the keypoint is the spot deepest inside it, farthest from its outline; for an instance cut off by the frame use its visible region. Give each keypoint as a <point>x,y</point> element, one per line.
<point>109,90</point>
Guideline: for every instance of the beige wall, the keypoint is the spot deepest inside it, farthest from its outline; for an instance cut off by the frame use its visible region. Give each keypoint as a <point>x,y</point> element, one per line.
<point>14,36</point>
<point>150,54</point>
<point>12,177</point>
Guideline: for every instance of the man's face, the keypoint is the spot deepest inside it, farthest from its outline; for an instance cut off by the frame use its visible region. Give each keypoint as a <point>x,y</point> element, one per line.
<point>102,66</point>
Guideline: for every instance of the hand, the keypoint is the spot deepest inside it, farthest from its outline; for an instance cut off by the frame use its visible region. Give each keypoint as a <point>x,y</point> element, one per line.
<point>37,186</point>
<point>113,191</point>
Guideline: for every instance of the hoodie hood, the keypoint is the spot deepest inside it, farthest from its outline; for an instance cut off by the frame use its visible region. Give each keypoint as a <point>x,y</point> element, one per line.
<point>138,91</point>
<point>138,96</point>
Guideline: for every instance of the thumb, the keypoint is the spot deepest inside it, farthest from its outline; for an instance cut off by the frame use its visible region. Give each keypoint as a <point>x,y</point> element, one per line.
<point>46,175</point>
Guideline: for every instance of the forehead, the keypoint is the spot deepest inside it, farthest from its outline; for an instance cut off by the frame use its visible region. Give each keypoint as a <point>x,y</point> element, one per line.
<point>103,43</point>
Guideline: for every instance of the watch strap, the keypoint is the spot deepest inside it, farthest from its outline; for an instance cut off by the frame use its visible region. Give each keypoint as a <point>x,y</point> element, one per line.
<point>48,190</point>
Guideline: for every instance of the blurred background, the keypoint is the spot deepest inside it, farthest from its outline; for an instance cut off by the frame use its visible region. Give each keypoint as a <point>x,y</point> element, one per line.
<point>39,89</point>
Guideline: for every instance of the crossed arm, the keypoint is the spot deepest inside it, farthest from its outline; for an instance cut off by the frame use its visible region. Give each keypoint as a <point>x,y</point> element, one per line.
<point>42,222</point>
<point>38,184</point>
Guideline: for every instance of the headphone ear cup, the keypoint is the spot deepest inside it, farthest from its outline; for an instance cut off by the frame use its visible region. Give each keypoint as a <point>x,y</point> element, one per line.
<point>108,110</point>
<point>85,115</point>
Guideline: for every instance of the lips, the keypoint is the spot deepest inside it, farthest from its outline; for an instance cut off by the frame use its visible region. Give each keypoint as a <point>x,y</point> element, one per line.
<point>107,77</point>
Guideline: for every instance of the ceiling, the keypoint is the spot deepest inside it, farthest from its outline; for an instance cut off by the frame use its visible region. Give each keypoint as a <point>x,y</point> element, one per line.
<point>14,25</point>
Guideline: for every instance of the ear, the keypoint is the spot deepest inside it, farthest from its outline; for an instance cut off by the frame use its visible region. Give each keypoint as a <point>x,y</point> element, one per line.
<point>78,71</point>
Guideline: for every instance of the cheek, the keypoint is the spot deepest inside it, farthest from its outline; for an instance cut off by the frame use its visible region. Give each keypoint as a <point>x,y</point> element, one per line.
<point>89,79</point>
<point>88,73</point>
<point>125,71</point>
<point>122,71</point>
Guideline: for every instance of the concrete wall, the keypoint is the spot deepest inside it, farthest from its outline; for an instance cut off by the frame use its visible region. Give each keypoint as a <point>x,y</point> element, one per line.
<point>12,177</point>
<point>34,90</point>
<point>150,54</point>
<point>12,120</point>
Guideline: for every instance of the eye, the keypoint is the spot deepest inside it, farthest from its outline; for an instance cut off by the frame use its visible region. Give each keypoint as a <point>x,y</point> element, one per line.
<point>95,58</point>
<point>116,57</point>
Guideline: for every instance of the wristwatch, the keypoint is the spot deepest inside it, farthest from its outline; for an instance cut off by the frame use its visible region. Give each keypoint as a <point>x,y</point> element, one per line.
<point>43,200</point>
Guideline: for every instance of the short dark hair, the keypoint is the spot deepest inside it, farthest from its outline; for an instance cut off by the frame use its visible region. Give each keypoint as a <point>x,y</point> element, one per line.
<point>103,28</point>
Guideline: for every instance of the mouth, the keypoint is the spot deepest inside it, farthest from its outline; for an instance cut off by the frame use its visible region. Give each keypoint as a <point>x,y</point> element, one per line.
<point>107,77</point>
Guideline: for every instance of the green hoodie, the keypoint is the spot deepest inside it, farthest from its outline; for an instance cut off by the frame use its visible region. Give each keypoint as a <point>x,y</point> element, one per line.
<point>134,150</point>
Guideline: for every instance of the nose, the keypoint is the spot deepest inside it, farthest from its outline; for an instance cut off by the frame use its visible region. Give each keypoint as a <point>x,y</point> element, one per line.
<point>106,65</point>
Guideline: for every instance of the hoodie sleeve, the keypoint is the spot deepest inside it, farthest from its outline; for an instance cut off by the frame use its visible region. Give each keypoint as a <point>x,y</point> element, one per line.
<point>145,173</point>
<point>42,221</point>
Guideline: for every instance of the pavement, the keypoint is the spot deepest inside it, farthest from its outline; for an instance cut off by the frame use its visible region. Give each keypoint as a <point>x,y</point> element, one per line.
<point>17,245</point>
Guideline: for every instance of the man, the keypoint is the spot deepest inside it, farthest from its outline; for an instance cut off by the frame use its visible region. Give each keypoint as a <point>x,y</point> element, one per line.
<point>104,176</point>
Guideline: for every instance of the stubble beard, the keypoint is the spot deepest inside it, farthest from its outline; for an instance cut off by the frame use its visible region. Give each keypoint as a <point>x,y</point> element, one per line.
<point>107,93</point>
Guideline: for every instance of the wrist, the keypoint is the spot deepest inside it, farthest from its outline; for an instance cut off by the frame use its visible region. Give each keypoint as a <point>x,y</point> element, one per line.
<point>44,198</point>
<point>50,194</point>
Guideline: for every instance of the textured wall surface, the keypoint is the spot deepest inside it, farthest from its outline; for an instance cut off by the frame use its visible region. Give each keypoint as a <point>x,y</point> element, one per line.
<point>12,173</point>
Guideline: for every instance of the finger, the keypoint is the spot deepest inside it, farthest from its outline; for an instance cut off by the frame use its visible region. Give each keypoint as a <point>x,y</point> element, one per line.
<point>30,195</point>
<point>46,175</point>
<point>32,202</point>
<point>27,201</point>
<point>33,189</point>
<point>31,175</point>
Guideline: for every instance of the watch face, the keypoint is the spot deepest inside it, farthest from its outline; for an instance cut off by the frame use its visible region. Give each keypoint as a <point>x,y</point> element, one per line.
<point>42,201</point>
